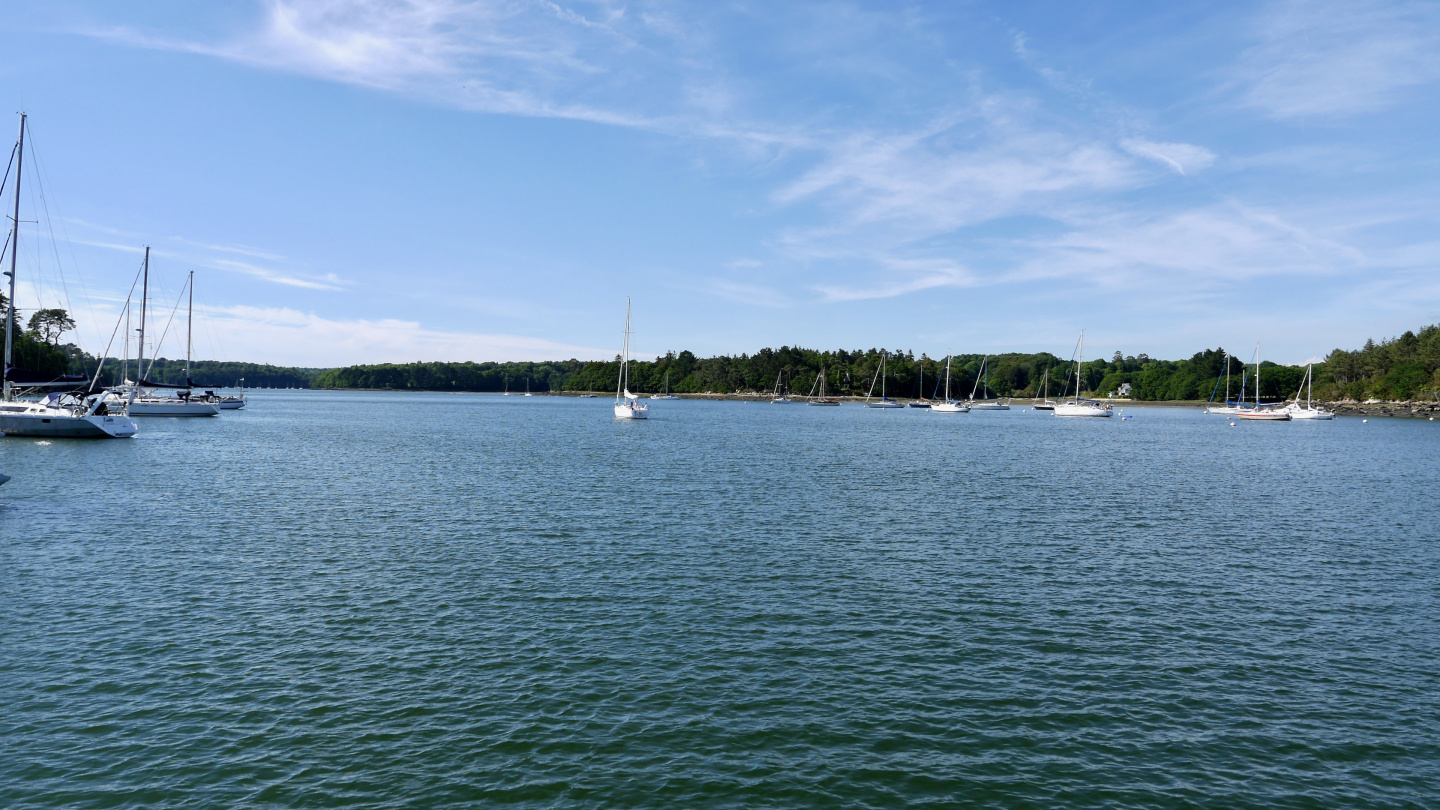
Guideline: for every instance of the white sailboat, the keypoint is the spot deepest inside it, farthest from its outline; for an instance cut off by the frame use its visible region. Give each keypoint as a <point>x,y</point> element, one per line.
<point>58,415</point>
<point>141,396</point>
<point>885,402</point>
<point>1308,411</point>
<point>664,390</point>
<point>527,388</point>
<point>921,401</point>
<point>1260,413</point>
<point>985,403</point>
<point>1045,403</point>
<point>822,400</point>
<point>1081,407</point>
<point>1228,409</point>
<point>627,405</point>
<point>949,405</point>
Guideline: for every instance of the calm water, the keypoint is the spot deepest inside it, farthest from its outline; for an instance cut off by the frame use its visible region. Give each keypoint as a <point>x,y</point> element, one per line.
<point>423,600</point>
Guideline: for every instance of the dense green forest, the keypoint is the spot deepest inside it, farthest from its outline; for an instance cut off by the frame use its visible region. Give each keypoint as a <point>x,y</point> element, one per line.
<point>1402,368</point>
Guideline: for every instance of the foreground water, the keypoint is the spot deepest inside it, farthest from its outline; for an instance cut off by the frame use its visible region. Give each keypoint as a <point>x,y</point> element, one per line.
<point>425,600</point>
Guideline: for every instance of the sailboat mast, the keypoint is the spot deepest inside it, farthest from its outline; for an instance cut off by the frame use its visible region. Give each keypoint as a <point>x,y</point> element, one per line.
<point>189,327</point>
<point>1079,364</point>
<point>14,253</point>
<point>144,296</point>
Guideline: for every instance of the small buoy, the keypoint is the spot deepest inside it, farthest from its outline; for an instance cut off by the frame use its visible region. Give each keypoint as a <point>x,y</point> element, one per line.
<point>1364,421</point>
<point>1232,424</point>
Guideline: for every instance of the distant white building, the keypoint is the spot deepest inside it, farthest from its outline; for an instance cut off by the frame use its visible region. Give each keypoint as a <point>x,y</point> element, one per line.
<point>1123,390</point>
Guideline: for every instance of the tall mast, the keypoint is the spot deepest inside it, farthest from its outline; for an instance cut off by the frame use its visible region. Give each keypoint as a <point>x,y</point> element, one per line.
<point>144,296</point>
<point>1079,365</point>
<point>189,327</point>
<point>14,252</point>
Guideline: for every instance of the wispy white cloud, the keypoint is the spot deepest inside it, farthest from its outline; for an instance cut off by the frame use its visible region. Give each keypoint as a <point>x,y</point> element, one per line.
<point>1339,57</point>
<point>291,337</point>
<point>1178,156</point>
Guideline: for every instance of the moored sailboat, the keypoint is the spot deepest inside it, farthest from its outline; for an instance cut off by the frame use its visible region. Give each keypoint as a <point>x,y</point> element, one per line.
<point>1308,411</point>
<point>627,405</point>
<point>76,415</point>
<point>948,405</point>
<point>884,401</point>
<point>665,390</point>
<point>1260,413</point>
<point>1081,407</point>
<point>985,403</point>
<point>822,400</point>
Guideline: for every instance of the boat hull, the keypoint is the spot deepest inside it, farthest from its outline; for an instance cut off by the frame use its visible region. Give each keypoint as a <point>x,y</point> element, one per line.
<point>141,407</point>
<point>231,405</point>
<point>1073,409</point>
<point>1269,416</point>
<point>823,402</point>
<point>60,426</point>
<point>631,411</point>
<point>948,407</point>
<point>988,406</point>
<point>884,405</point>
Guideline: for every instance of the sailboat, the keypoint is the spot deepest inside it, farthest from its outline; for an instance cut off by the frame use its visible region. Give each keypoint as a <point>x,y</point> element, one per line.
<point>1081,407</point>
<point>143,400</point>
<point>1308,411</point>
<point>507,387</point>
<point>949,405</point>
<point>1260,413</point>
<point>985,403</point>
<point>1045,404</point>
<point>527,388</point>
<point>665,390</point>
<point>59,415</point>
<point>822,400</point>
<point>233,402</point>
<point>885,402</point>
<point>921,401</point>
<point>780,397</point>
<point>627,405</point>
<point>1229,408</point>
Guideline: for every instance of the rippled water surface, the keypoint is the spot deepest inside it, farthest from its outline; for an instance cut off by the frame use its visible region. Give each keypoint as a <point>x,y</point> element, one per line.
<point>417,600</point>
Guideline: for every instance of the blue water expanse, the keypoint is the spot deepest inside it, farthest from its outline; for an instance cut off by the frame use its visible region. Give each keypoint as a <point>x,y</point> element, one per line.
<point>418,600</point>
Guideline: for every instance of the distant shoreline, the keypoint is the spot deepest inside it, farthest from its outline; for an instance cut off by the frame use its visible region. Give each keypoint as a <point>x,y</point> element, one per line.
<point>1401,410</point>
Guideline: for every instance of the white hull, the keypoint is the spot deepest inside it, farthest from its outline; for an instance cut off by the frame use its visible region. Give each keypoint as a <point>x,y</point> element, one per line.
<point>781,401</point>
<point>1311,414</point>
<point>61,425</point>
<point>1080,409</point>
<point>823,402</point>
<point>1264,416</point>
<point>175,407</point>
<point>948,407</point>
<point>631,410</point>
<point>663,396</point>
<point>1224,411</point>
<point>886,405</point>
<point>988,406</point>
<point>229,404</point>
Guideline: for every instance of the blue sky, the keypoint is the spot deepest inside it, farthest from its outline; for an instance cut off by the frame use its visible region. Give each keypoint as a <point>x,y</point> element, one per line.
<point>434,180</point>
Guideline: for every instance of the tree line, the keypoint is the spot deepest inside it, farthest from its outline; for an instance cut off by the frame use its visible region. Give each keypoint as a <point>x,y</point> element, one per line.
<point>1400,368</point>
